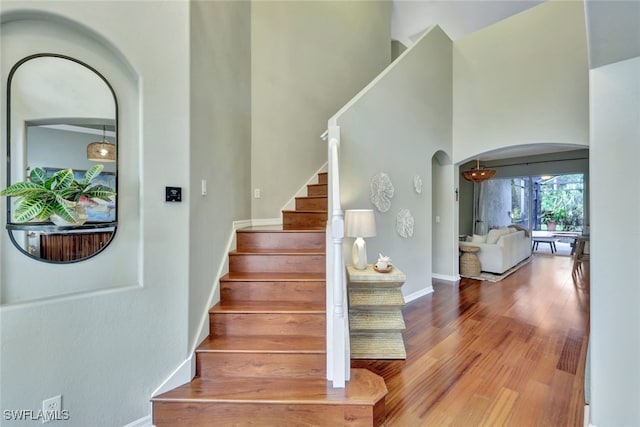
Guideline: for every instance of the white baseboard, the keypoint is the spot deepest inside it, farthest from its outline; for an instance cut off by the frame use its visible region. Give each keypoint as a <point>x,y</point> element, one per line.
<point>587,417</point>
<point>181,375</point>
<point>142,422</point>
<point>259,222</point>
<point>420,293</point>
<point>445,277</point>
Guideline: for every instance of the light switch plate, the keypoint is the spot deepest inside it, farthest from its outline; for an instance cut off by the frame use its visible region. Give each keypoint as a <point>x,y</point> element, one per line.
<point>173,194</point>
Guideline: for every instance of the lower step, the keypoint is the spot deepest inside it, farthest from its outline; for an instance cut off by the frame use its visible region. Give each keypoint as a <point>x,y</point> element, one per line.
<point>213,365</point>
<point>274,401</point>
<point>290,356</point>
<point>377,346</point>
<point>318,203</point>
<point>277,262</point>
<point>304,219</point>
<point>271,290</point>
<point>251,324</point>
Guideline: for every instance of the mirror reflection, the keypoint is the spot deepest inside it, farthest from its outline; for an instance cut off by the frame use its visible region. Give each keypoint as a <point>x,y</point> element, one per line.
<point>62,127</point>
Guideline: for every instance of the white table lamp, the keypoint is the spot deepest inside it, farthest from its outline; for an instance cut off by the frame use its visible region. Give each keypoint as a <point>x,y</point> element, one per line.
<point>359,223</point>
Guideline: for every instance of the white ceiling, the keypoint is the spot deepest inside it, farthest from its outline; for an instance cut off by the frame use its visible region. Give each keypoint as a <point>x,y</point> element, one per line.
<point>457,18</point>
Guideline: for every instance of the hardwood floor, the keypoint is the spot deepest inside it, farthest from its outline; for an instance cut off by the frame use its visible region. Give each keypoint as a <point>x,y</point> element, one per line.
<point>510,353</point>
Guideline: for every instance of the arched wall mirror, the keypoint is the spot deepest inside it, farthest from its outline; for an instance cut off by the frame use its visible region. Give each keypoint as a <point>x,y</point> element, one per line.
<point>62,114</point>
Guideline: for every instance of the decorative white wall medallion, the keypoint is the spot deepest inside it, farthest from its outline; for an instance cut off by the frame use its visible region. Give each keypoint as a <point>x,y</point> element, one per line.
<point>404,223</point>
<point>417,184</point>
<point>381,191</point>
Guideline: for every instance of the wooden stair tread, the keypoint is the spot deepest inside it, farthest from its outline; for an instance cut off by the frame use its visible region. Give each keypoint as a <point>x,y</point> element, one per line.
<point>378,321</point>
<point>378,346</point>
<point>305,212</point>
<point>293,252</point>
<point>272,229</point>
<point>270,307</point>
<point>375,298</point>
<point>364,388</point>
<point>296,344</point>
<point>273,277</point>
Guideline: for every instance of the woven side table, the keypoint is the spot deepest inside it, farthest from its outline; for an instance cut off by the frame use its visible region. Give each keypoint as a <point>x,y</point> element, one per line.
<point>469,262</point>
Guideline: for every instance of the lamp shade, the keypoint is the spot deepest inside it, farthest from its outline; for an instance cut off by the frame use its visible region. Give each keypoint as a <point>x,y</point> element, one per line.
<point>478,174</point>
<point>359,223</point>
<point>102,151</point>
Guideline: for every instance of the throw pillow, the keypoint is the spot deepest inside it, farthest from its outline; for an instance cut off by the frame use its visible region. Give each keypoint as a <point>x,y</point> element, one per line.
<point>494,235</point>
<point>477,238</point>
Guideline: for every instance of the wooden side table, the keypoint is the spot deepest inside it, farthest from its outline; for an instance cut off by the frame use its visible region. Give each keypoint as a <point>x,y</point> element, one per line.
<point>469,262</point>
<point>375,313</point>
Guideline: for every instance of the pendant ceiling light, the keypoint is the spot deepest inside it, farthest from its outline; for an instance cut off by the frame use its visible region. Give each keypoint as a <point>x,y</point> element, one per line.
<point>101,151</point>
<point>478,174</point>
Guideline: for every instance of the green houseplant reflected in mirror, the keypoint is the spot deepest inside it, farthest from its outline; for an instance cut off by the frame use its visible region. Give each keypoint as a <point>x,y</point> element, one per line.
<point>59,198</point>
<point>57,108</point>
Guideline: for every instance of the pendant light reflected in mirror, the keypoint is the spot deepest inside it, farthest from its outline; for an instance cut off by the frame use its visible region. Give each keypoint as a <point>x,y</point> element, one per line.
<point>101,151</point>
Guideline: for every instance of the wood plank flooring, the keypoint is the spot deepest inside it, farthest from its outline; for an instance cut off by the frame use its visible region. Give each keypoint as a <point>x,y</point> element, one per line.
<point>510,353</point>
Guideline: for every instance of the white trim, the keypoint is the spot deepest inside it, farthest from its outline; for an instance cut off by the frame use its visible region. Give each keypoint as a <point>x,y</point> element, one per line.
<point>180,376</point>
<point>142,422</point>
<point>237,225</point>
<point>426,291</point>
<point>587,417</point>
<point>302,191</point>
<point>260,222</point>
<point>446,278</point>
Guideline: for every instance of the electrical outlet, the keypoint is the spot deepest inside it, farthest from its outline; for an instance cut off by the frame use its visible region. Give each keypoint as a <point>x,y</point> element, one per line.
<point>51,407</point>
<point>257,193</point>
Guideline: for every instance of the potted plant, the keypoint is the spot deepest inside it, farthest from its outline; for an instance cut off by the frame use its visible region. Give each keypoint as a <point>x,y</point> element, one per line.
<point>59,197</point>
<point>548,217</point>
<point>559,217</point>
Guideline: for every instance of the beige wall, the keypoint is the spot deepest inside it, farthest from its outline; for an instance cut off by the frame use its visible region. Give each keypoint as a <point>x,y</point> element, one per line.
<point>396,127</point>
<point>308,59</point>
<point>523,80</point>
<point>106,351</point>
<point>220,143</point>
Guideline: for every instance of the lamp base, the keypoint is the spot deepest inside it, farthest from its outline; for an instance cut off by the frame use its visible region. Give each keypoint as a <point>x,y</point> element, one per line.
<point>359,254</point>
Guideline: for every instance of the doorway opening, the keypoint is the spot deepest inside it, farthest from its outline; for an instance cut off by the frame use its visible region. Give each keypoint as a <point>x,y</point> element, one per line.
<point>550,207</point>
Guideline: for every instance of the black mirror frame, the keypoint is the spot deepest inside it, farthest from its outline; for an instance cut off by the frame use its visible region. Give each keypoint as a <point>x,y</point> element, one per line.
<point>114,224</point>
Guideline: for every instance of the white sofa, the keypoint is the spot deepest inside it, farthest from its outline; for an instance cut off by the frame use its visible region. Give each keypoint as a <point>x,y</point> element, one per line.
<point>501,248</point>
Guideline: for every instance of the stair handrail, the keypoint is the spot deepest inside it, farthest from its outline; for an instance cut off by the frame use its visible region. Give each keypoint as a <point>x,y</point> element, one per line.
<point>338,351</point>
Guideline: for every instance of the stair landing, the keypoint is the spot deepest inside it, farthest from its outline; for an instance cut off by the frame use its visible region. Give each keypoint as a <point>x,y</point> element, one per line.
<point>274,401</point>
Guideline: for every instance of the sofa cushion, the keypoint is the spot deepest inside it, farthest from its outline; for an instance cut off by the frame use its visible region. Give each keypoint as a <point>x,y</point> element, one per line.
<point>493,236</point>
<point>478,238</point>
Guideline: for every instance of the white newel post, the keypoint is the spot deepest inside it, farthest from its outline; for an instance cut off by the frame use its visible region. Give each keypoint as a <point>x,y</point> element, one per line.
<point>338,354</point>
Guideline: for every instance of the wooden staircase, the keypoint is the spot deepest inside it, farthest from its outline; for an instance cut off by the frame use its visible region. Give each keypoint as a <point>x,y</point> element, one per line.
<point>264,362</point>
